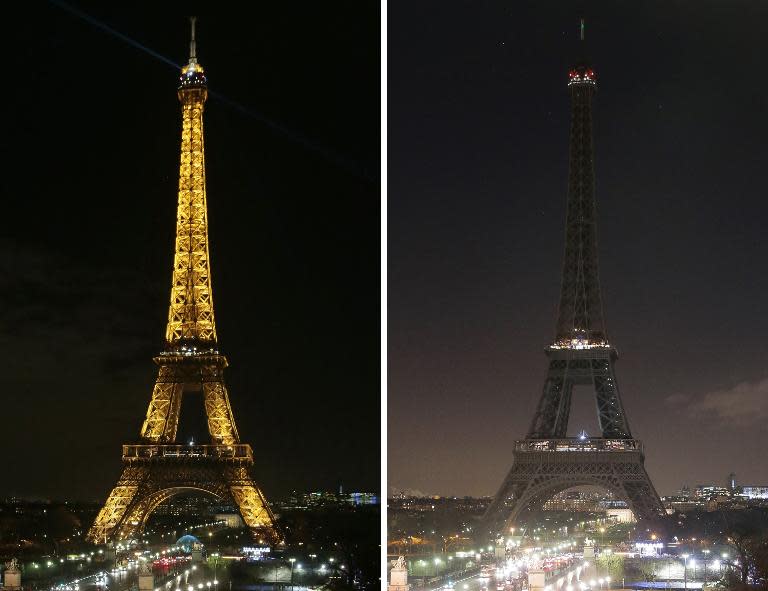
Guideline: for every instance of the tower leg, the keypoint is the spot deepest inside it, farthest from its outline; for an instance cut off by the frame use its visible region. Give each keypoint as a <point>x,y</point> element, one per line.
<point>495,520</point>
<point>252,505</point>
<point>114,510</point>
<point>163,412</point>
<point>610,412</point>
<point>546,417</point>
<point>147,498</point>
<point>221,422</point>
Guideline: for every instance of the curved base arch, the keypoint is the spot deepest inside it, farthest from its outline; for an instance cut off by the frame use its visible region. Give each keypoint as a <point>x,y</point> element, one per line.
<point>136,519</point>
<point>143,487</point>
<point>536,477</point>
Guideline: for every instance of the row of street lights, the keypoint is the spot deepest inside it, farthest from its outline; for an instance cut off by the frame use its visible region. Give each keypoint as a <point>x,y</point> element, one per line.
<point>322,569</point>
<point>716,564</point>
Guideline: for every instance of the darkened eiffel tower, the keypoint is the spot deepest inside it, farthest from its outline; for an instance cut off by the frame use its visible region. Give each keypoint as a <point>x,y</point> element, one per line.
<point>158,468</point>
<point>547,462</point>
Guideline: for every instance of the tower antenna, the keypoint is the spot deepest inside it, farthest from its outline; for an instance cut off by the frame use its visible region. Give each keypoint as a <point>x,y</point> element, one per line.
<point>581,31</point>
<point>192,48</point>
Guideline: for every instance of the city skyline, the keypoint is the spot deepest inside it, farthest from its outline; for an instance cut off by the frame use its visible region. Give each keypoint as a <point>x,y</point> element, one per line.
<point>476,241</point>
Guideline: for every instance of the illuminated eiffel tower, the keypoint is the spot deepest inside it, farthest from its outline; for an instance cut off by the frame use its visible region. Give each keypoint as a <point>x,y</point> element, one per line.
<point>547,462</point>
<point>158,468</point>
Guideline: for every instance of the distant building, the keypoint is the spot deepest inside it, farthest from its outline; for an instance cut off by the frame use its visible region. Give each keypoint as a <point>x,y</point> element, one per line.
<point>681,503</point>
<point>229,519</point>
<point>711,491</point>
<point>621,515</point>
<point>306,500</point>
<point>711,497</point>
<point>363,498</point>
<point>754,492</point>
<point>579,500</point>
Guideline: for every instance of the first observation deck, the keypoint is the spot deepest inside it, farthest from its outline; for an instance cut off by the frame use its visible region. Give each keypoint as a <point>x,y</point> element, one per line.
<point>239,452</point>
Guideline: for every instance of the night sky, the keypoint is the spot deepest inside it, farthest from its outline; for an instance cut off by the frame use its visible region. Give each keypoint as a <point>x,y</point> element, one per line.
<point>478,148</point>
<point>90,153</point>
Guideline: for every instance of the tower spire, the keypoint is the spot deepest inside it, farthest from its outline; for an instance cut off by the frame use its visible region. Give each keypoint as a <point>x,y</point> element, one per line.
<point>192,48</point>
<point>580,313</point>
<point>191,324</point>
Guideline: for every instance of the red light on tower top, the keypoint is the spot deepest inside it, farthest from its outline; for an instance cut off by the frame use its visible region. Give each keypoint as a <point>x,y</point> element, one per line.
<point>582,73</point>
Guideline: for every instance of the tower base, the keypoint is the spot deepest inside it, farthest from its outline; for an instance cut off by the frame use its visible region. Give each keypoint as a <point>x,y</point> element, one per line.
<point>154,473</point>
<point>541,468</point>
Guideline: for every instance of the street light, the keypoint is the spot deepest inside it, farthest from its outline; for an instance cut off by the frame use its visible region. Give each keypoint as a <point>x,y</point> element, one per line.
<point>685,570</point>
<point>291,560</point>
<point>215,557</point>
<point>706,554</point>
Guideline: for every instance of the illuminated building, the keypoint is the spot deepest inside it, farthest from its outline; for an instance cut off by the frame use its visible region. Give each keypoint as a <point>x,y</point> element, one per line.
<point>363,498</point>
<point>755,492</point>
<point>158,467</point>
<point>711,491</point>
<point>711,497</point>
<point>328,498</point>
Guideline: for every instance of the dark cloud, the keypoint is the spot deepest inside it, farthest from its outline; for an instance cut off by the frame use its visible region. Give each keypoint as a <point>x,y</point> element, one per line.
<point>744,405</point>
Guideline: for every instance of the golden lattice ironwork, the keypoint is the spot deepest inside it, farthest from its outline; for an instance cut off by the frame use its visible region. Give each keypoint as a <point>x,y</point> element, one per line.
<point>190,315</point>
<point>158,467</point>
<point>151,476</point>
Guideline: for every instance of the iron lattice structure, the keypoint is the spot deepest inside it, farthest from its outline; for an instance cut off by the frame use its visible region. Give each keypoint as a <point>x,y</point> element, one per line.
<point>158,468</point>
<point>547,461</point>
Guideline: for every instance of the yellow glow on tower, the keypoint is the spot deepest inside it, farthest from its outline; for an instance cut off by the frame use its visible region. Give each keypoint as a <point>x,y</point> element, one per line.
<point>190,315</point>
<point>160,467</point>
